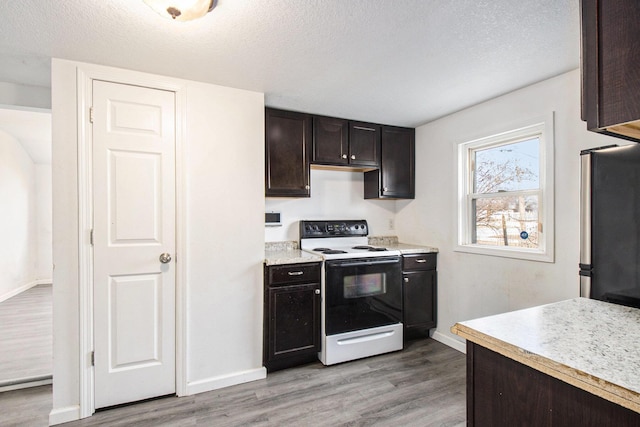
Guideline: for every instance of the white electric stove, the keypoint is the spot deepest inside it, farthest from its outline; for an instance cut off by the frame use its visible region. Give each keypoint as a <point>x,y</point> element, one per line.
<point>361,290</point>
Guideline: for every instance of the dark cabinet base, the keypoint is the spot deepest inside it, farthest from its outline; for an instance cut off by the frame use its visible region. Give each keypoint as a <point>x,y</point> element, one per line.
<point>291,315</point>
<point>503,392</point>
<point>419,294</point>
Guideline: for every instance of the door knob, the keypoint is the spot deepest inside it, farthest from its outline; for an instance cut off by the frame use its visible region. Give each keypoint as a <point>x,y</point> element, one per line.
<point>165,258</point>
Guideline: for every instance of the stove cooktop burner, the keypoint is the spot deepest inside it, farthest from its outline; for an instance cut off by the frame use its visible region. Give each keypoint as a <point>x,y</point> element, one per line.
<point>370,248</point>
<point>341,239</point>
<point>328,251</point>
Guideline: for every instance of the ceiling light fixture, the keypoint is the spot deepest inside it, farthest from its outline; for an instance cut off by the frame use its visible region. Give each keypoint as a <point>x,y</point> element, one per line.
<point>181,10</point>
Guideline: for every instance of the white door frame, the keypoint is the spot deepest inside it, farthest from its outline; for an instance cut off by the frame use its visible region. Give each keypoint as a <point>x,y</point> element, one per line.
<point>85,76</point>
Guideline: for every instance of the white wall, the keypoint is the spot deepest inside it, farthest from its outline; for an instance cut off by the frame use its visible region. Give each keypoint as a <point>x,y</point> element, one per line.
<point>225,244</point>
<point>18,216</point>
<point>25,95</point>
<point>44,221</point>
<point>223,178</point>
<point>472,285</point>
<point>334,195</point>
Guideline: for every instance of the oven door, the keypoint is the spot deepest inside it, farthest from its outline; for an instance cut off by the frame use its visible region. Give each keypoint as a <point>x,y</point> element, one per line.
<point>362,293</point>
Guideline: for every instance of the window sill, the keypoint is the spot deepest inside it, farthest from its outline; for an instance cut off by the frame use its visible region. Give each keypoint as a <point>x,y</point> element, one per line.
<point>523,254</point>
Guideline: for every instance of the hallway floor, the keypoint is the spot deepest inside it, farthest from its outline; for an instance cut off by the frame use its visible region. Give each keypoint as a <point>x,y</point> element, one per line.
<point>26,336</point>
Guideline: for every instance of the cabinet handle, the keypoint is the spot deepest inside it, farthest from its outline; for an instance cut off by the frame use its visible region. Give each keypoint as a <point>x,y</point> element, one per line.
<point>317,291</point>
<point>353,157</point>
<point>344,156</point>
<point>306,187</point>
<point>406,280</point>
<point>384,188</point>
<point>421,261</point>
<point>295,273</point>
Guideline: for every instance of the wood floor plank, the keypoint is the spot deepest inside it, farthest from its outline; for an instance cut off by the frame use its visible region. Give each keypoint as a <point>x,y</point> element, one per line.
<point>423,385</point>
<point>26,335</point>
<point>26,407</point>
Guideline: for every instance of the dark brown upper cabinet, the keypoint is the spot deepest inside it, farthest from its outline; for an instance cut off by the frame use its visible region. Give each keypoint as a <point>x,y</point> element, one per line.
<point>340,142</point>
<point>330,140</point>
<point>610,72</point>
<point>396,177</point>
<point>364,144</point>
<point>287,146</point>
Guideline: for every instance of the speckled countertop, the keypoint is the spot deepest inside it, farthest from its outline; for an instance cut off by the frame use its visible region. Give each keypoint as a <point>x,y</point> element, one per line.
<point>276,253</point>
<point>590,344</point>
<point>287,252</point>
<point>391,243</point>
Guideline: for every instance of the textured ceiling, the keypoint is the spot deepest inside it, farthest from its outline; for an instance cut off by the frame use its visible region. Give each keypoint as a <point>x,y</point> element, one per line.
<point>401,62</point>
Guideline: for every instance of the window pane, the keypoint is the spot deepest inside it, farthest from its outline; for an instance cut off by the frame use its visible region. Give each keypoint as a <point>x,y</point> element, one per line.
<point>506,221</point>
<point>510,167</point>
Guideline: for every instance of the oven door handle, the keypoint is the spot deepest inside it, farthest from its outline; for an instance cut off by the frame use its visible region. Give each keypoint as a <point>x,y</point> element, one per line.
<point>362,263</point>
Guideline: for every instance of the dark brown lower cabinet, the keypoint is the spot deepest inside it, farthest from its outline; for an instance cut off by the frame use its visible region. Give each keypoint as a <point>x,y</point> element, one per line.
<point>503,392</point>
<point>419,294</point>
<point>292,315</point>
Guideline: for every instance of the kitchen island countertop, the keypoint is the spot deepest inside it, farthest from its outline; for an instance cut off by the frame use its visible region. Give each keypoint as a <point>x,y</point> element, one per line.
<point>590,344</point>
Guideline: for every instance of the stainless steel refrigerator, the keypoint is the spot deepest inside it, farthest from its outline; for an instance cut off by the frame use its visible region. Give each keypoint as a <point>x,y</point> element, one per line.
<point>610,224</point>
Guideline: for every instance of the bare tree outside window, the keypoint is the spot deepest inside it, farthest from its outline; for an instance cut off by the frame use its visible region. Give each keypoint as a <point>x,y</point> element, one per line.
<point>506,190</point>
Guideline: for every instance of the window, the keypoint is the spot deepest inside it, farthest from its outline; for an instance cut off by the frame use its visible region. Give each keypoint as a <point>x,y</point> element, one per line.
<point>505,203</point>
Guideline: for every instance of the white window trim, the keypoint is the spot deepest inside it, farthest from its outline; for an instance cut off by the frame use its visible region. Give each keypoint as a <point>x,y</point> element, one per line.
<point>544,128</point>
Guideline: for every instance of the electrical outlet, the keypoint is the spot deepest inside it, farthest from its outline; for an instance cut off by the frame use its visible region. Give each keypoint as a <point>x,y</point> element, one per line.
<point>391,226</point>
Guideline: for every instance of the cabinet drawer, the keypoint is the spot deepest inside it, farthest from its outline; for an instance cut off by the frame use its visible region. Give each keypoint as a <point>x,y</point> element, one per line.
<point>419,262</point>
<point>293,273</point>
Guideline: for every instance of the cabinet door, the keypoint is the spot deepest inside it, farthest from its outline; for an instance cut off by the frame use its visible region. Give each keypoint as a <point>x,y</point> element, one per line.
<point>330,140</point>
<point>294,322</point>
<point>419,294</point>
<point>364,144</point>
<point>398,162</point>
<point>396,177</point>
<point>287,145</point>
<point>610,57</point>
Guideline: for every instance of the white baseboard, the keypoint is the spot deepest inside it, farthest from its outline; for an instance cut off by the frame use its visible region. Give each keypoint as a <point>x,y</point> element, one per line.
<point>20,383</point>
<point>447,340</point>
<point>16,291</point>
<point>222,381</point>
<point>64,414</point>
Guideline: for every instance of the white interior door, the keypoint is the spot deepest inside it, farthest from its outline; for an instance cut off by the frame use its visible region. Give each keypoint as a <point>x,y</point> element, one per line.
<point>134,224</point>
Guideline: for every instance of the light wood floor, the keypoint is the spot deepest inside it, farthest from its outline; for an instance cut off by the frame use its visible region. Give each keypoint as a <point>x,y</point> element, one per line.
<point>26,336</point>
<point>424,385</point>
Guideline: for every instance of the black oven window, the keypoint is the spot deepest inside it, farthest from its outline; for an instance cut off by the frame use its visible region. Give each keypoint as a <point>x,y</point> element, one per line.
<point>364,285</point>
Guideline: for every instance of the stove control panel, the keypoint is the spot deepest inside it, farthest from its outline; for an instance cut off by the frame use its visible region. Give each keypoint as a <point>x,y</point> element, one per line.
<point>342,228</point>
